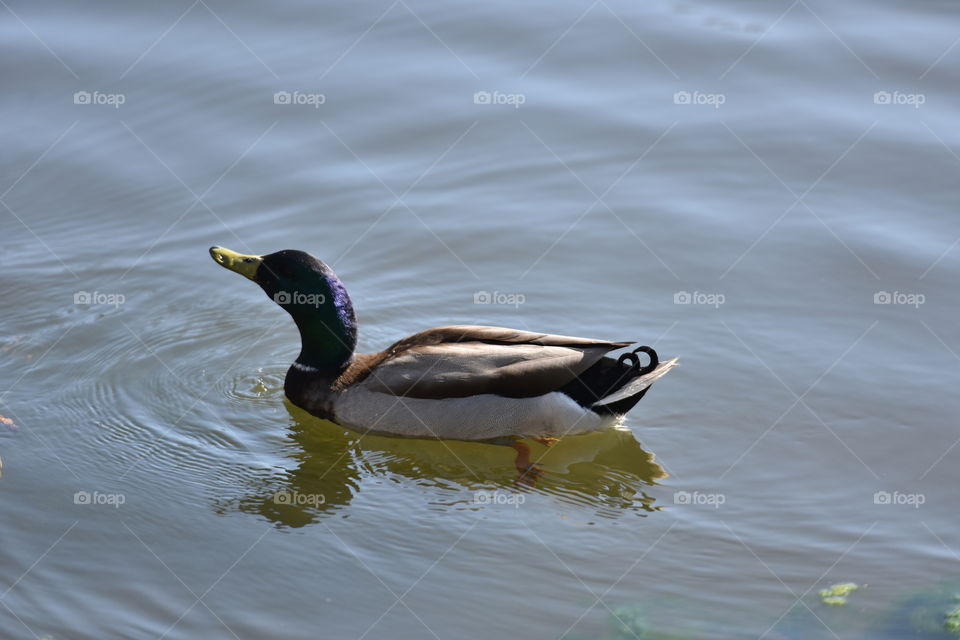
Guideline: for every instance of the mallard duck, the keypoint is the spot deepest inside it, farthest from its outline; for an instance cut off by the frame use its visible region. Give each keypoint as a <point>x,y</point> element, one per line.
<point>458,382</point>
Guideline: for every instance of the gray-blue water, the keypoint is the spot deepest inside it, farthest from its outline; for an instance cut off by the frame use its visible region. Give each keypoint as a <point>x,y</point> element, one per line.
<point>766,190</point>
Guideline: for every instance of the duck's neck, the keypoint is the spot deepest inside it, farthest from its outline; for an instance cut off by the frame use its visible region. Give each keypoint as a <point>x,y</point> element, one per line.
<point>328,335</point>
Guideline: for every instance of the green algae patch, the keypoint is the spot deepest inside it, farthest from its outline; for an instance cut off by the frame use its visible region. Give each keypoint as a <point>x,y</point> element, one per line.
<point>630,621</point>
<point>952,621</point>
<point>836,595</point>
<point>926,613</point>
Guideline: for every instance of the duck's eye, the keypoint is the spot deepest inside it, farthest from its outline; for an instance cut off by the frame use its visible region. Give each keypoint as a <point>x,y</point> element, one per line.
<point>248,260</point>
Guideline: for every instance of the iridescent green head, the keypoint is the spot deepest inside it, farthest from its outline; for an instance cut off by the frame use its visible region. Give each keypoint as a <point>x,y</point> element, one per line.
<point>311,293</point>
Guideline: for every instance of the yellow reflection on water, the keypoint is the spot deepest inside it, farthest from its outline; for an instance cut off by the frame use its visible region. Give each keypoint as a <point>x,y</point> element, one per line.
<point>605,472</point>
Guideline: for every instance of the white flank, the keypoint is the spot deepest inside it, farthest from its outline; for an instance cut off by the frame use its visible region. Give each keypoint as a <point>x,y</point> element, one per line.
<point>479,417</point>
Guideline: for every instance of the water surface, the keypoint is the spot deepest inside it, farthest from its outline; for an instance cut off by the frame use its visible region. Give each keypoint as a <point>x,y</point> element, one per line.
<point>632,157</point>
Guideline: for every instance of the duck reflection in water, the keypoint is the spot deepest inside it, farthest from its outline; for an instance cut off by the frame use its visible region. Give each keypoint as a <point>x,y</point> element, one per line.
<point>605,471</point>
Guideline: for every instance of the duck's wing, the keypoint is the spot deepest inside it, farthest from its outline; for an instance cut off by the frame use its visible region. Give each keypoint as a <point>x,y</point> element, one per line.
<point>464,360</point>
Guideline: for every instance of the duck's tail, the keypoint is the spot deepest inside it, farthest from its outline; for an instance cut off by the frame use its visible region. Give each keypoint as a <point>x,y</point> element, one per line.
<point>645,376</point>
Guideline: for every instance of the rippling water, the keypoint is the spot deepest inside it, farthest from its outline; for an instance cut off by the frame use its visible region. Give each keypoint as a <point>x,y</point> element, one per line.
<point>766,190</point>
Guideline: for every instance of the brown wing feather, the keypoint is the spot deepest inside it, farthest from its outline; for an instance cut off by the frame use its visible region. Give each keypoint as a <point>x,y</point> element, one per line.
<point>494,335</point>
<point>463,360</point>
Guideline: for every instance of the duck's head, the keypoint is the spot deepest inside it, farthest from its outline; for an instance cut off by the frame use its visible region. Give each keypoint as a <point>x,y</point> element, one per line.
<point>311,293</point>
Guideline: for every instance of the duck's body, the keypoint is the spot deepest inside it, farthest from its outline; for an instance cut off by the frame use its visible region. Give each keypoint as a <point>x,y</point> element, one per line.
<point>475,383</point>
<point>457,382</point>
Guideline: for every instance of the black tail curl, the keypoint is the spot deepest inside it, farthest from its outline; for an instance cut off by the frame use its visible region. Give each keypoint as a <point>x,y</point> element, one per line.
<point>635,360</point>
<point>608,376</point>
